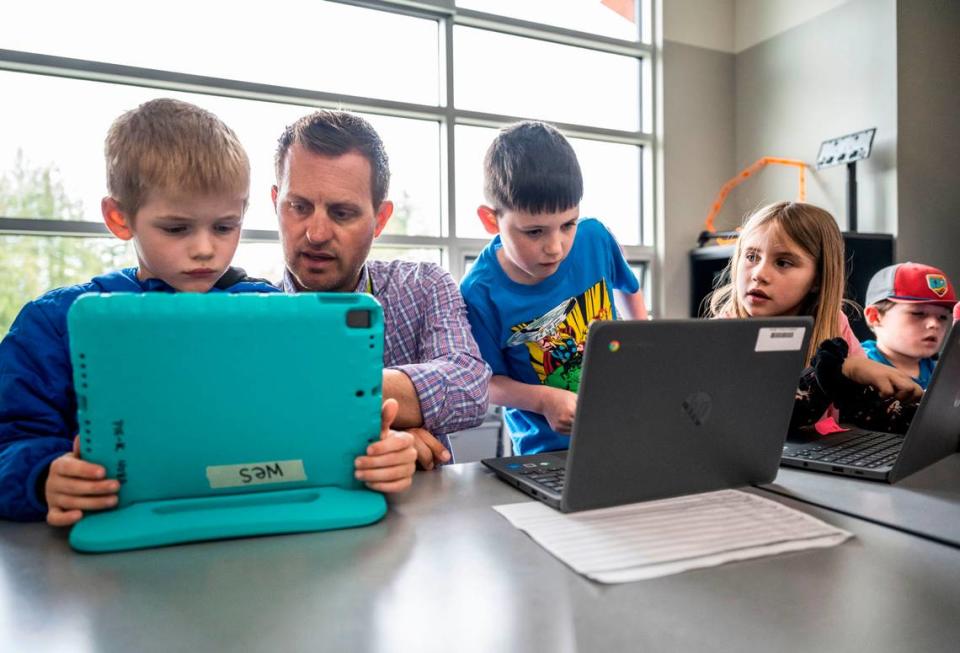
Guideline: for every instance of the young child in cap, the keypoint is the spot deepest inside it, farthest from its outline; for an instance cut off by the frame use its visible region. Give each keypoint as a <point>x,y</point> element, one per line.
<point>908,308</point>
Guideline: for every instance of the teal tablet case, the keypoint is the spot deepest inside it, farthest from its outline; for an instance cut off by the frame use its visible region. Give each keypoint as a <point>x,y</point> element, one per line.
<point>226,415</point>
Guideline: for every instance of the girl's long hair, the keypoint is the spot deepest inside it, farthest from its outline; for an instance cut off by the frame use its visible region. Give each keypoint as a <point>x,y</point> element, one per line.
<point>816,232</point>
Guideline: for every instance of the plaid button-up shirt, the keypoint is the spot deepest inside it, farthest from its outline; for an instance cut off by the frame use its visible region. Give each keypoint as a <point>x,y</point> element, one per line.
<point>428,338</point>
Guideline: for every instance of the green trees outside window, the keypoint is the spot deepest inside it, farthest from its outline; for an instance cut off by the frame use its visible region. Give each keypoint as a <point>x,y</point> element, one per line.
<point>31,265</point>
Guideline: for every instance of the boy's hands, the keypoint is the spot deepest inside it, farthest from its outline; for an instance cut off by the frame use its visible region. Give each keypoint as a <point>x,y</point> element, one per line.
<point>888,381</point>
<point>430,451</point>
<point>389,464</point>
<point>74,485</point>
<point>559,407</point>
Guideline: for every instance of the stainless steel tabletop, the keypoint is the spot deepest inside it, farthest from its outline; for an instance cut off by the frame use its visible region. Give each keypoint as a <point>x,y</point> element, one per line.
<point>926,503</point>
<point>443,571</point>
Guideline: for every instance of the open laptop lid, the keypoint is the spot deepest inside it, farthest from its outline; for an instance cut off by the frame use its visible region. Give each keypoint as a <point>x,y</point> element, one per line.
<point>935,429</point>
<point>672,407</point>
<point>204,395</point>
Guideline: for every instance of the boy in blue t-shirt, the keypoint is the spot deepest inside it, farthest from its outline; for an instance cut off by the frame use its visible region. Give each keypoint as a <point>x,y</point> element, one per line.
<point>540,282</point>
<point>908,309</point>
<point>178,180</point>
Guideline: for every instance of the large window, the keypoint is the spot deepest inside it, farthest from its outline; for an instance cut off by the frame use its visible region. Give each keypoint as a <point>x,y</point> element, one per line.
<point>435,77</point>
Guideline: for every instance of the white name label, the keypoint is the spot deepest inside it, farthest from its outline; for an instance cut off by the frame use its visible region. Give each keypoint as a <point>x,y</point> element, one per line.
<point>780,339</point>
<point>274,471</point>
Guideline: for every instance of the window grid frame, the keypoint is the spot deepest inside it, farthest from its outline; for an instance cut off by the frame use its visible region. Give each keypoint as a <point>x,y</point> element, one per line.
<point>454,250</point>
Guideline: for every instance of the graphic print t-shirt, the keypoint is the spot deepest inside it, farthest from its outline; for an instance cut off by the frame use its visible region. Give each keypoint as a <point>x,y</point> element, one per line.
<point>536,333</point>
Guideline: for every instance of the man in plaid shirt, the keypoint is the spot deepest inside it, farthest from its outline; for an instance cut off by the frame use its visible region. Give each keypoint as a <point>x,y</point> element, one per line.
<point>330,198</point>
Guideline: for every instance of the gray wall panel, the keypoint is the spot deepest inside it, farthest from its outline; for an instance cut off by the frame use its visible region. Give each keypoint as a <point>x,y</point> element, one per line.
<point>698,142</point>
<point>830,76</point>
<point>928,74</point>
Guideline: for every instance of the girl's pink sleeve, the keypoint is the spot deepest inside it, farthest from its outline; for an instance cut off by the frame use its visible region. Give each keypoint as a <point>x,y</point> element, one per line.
<point>853,345</point>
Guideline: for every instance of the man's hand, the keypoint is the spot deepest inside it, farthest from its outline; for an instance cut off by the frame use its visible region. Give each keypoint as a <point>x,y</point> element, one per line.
<point>74,485</point>
<point>389,464</point>
<point>888,381</point>
<point>430,451</point>
<point>559,408</point>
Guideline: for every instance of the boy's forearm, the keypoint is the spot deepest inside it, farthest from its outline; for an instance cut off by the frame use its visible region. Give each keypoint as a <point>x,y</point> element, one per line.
<point>635,308</point>
<point>505,391</point>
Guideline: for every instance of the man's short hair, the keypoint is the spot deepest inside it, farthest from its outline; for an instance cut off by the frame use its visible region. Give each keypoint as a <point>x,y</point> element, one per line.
<point>531,167</point>
<point>173,146</point>
<point>335,133</point>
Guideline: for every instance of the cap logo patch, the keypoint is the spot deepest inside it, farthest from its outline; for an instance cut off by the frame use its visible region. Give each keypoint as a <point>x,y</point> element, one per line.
<point>937,283</point>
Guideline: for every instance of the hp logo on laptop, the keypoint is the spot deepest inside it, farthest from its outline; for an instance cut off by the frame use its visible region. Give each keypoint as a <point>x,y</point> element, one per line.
<point>697,407</point>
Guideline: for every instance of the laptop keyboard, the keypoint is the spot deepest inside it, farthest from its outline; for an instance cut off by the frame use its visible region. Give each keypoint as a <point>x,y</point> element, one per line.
<point>551,477</point>
<point>868,450</point>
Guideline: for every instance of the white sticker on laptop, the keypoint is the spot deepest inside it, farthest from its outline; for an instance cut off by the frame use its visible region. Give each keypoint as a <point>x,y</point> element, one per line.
<point>272,471</point>
<point>780,339</point>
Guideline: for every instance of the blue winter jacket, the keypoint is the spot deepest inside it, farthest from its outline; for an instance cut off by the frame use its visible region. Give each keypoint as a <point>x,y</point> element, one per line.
<point>38,407</point>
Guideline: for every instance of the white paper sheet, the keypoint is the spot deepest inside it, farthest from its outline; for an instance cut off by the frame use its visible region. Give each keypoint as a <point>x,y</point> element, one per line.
<point>659,538</point>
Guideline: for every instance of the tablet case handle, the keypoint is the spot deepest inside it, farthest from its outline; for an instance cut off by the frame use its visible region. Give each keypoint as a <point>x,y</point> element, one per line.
<point>158,523</point>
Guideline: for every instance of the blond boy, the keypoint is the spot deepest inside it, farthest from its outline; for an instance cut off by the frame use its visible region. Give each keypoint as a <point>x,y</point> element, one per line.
<point>178,182</point>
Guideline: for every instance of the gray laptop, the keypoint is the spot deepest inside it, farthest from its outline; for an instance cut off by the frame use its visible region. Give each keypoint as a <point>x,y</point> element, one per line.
<point>671,407</point>
<point>933,433</point>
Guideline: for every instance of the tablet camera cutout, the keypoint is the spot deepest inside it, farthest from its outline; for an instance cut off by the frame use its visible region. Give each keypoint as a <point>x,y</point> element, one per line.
<point>359,318</point>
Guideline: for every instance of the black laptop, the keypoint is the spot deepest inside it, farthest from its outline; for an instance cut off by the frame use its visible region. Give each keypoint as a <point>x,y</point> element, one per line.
<point>933,434</point>
<point>671,407</point>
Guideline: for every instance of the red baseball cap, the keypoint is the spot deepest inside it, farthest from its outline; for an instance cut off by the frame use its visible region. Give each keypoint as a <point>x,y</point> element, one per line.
<point>911,283</point>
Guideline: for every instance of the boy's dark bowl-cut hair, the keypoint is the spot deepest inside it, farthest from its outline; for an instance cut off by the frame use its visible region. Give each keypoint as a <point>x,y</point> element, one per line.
<point>531,167</point>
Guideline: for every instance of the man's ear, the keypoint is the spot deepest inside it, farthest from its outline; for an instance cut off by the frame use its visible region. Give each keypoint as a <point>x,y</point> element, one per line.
<point>274,192</point>
<point>383,216</point>
<point>871,315</point>
<point>116,219</point>
<point>489,219</point>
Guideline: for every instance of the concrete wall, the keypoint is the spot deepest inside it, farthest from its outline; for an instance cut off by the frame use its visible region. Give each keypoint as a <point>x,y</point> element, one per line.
<point>743,79</point>
<point>696,134</point>
<point>826,77</point>
<point>698,142</point>
<point>756,21</point>
<point>928,151</point>
<point>703,23</point>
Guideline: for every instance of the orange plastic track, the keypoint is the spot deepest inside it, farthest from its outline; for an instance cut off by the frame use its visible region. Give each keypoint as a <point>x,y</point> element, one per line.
<point>748,172</point>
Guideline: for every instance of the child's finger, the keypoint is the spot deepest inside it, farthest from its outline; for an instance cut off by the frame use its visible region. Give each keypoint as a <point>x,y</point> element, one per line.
<point>77,487</point>
<point>397,470</point>
<point>396,441</point>
<point>388,413</point>
<point>57,517</point>
<point>70,466</point>
<point>884,386</point>
<point>406,456</point>
<point>909,392</point>
<point>392,486</point>
<point>70,502</point>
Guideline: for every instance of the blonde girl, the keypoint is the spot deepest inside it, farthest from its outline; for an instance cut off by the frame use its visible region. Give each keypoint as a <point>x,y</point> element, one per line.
<point>789,260</point>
